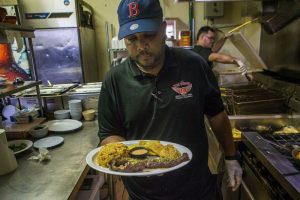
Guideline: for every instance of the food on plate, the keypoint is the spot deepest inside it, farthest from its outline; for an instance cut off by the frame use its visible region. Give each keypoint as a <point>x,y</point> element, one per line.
<point>153,146</point>
<point>169,152</point>
<point>110,151</point>
<point>236,133</point>
<point>17,147</point>
<point>138,152</point>
<point>287,130</point>
<point>137,165</point>
<point>139,156</point>
<point>297,156</point>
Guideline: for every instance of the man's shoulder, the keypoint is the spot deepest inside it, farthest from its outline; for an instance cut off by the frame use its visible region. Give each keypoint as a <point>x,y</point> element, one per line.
<point>121,67</point>
<point>118,71</point>
<point>188,59</point>
<point>199,48</point>
<point>184,54</point>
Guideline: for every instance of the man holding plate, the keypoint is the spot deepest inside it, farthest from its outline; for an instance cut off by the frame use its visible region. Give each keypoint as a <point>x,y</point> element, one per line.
<point>162,93</point>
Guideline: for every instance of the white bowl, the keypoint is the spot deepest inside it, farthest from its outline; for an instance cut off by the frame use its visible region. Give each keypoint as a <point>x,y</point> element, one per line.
<point>62,114</point>
<point>39,131</point>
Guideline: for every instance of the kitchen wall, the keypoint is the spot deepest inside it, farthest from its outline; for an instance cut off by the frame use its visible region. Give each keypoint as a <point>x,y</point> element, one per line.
<point>234,14</point>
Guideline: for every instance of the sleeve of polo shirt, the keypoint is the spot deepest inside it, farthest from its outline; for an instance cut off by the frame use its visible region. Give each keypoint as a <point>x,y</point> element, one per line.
<point>213,101</point>
<point>204,52</point>
<point>108,115</point>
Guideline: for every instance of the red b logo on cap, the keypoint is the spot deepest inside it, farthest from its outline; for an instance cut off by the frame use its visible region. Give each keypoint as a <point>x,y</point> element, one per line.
<point>133,9</point>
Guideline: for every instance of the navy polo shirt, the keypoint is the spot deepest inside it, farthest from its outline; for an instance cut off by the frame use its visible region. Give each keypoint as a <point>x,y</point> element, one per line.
<point>204,52</point>
<point>168,107</point>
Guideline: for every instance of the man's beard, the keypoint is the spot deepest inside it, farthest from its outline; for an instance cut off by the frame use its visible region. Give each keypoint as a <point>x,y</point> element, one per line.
<point>150,63</point>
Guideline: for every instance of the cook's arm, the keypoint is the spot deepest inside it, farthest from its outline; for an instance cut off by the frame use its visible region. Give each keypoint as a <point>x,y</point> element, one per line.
<point>222,58</point>
<point>222,129</point>
<point>227,59</point>
<point>111,139</point>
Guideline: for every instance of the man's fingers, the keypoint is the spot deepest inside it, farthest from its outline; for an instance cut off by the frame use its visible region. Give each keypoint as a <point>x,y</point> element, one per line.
<point>238,180</point>
<point>231,181</point>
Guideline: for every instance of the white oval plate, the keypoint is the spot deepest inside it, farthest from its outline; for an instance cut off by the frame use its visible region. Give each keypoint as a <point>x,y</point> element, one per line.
<point>90,159</point>
<point>17,142</point>
<point>48,142</point>
<point>64,125</point>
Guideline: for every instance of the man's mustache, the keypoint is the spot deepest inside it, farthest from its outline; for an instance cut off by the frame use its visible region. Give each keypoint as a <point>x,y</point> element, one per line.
<point>144,52</point>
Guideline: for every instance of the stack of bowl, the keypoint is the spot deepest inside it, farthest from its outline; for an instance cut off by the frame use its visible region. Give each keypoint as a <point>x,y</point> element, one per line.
<point>62,114</point>
<point>75,107</point>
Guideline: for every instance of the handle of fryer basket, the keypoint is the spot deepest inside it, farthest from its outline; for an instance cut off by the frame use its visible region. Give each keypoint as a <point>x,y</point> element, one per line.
<point>248,192</point>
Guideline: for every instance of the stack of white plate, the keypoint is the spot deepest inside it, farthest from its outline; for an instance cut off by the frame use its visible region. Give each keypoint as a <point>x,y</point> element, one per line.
<point>75,107</point>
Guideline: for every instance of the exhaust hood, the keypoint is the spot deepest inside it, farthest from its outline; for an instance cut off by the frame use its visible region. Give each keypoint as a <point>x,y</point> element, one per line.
<point>218,0</point>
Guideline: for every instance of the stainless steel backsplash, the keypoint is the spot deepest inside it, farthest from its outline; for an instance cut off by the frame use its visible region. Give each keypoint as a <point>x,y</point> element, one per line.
<point>280,51</point>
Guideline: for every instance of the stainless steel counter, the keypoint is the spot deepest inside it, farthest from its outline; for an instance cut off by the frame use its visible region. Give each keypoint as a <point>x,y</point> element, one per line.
<point>59,178</point>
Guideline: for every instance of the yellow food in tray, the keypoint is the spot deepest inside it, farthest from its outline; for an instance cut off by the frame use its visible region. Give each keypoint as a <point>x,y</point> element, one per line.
<point>287,130</point>
<point>236,133</point>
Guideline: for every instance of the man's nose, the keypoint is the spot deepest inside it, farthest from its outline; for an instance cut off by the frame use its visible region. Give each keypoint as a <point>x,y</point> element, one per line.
<point>142,43</point>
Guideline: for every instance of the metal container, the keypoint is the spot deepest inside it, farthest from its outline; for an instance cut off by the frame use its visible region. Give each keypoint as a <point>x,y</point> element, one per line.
<point>264,106</point>
<point>243,99</point>
<point>251,122</point>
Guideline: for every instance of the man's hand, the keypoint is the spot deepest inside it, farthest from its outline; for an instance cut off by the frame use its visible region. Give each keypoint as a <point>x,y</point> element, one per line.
<point>242,66</point>
<point>111,139</point>
<point>234,172</point>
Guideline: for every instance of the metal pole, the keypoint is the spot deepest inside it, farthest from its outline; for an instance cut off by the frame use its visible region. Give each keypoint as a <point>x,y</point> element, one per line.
<point>107,43</point>
<point>191,21</point>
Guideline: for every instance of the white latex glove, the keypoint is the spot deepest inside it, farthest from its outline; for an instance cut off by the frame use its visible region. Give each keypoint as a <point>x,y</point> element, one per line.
<point>234,172</point>
<point>242,66</point>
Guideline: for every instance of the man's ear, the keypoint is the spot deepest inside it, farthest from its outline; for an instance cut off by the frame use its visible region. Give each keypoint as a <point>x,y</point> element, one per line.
<point>163,29</point>
<point>202,36</point>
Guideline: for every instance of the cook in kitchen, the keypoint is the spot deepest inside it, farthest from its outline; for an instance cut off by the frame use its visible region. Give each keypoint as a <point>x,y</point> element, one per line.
<point>162,93</point>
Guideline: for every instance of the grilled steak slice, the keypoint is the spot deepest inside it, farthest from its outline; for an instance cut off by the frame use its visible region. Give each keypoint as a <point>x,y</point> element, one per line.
<point>167,164</point>
<point>125,165</point>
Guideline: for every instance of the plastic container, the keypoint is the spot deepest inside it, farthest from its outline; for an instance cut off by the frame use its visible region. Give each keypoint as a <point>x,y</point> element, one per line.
<point>185,38</point>
<point>89,115</point>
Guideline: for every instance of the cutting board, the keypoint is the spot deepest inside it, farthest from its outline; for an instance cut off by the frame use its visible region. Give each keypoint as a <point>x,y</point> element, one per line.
<point>20,131</point>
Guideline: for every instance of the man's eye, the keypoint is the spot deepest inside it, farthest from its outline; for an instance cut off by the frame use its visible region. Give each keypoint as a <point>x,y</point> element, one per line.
<point>131,39</point>
<point>150,36</point>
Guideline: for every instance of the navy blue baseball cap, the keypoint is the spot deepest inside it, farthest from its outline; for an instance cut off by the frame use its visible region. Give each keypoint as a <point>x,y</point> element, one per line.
<point>137,16</point>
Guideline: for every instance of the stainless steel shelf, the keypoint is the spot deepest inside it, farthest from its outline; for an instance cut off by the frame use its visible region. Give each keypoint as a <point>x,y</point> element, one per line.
<point>8,89</point>
<point>184,47</point>
<point>116,50</point>
<point>16,27</point>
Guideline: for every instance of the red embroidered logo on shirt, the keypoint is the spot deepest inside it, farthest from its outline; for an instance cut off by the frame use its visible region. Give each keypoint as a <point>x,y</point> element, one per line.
<point>183,88</point>
<point>133,9</point>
